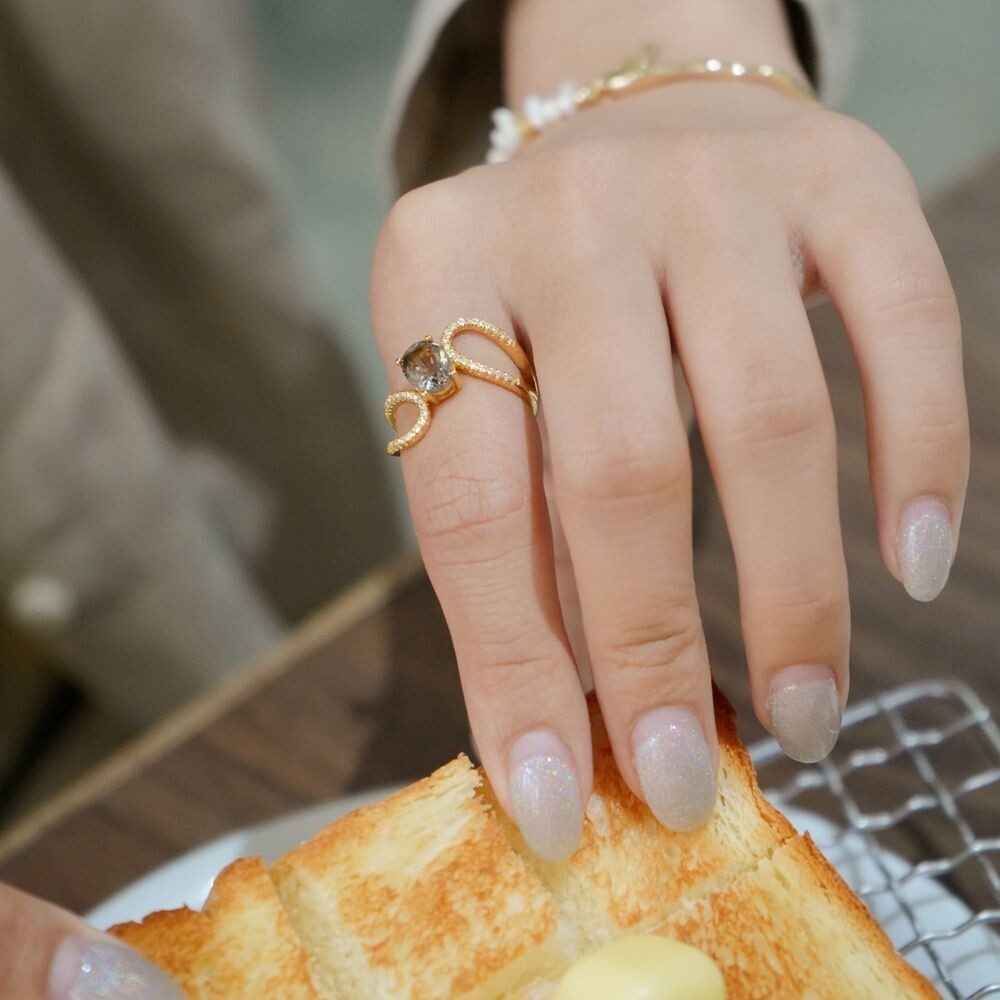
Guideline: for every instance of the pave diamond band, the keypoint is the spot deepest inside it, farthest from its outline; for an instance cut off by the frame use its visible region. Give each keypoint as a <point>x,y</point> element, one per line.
<point>432,368</point>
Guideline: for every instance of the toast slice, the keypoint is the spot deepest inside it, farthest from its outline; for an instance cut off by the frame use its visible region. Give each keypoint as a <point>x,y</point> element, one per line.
<point>420,896</point>
<point>431,895</point>
<point>240,945</point>
<point>791,929</point>
<point>629,871</point>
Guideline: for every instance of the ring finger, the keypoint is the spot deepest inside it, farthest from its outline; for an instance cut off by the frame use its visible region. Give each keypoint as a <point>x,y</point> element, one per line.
<point>765,416</point>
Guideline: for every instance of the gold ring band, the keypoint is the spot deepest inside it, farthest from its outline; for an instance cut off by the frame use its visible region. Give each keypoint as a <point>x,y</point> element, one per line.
<point>432,368</point>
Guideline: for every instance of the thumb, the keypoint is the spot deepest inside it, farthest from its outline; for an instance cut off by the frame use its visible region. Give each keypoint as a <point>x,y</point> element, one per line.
<point>49,954</point>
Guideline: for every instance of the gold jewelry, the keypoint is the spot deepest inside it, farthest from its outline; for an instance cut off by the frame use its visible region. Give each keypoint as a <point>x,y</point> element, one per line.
<point>432,367</point>
<point>640,72</point>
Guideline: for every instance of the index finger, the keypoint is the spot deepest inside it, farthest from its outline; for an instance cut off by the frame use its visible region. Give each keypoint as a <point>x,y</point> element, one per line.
<point>474,483</point>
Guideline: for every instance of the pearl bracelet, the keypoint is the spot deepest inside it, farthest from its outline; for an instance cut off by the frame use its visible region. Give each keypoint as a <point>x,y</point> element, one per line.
<point>511,129</point>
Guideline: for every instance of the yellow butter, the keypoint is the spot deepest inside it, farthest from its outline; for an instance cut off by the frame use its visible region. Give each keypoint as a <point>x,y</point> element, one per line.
<point>643,967</point>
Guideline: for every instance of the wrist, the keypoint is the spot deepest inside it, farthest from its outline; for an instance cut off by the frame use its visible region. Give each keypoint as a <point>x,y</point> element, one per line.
<point>548,41</point>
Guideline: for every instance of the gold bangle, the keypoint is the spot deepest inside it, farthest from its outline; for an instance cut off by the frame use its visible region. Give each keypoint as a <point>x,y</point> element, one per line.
<point>640,72</point>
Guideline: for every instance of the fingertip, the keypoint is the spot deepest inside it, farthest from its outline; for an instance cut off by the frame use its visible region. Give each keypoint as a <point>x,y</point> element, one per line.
<point>675,764</point>
<point>546,799</point>
<point>925,547</point>
<point>804,711</point>
<point>90,968</point>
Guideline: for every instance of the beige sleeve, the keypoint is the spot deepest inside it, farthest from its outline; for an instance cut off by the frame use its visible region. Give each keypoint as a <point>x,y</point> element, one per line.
<point>448,80</point>
<point>105,557</point>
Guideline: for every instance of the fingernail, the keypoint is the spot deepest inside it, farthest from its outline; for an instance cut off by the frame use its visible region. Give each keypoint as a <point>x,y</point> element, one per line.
<point>925,547</point>
<point>93,970</point>
<point>675,767</point>
<point>545,796</point>
<point>805,712</point>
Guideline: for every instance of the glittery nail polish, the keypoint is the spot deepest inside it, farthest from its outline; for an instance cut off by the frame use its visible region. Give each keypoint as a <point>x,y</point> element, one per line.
<point>94,970</point>
<point>925,547</point>
<point>805,711</point>
<point>545,795</point>
<point>675,767</point>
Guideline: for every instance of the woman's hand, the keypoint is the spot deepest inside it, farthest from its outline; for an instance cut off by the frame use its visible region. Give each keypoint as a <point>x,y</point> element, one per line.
<point>686,223</point>
<point>49,954</point>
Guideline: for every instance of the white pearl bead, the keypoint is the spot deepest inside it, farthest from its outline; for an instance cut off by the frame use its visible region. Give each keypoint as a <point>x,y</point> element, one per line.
<point>564,98</point>
<point>533,110</point>
<point>503,118</point>
<point>506,137</point>
<point>501,139</point>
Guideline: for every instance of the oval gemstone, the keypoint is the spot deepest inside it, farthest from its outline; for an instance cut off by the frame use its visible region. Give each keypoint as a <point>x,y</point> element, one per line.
<point>427,367</point>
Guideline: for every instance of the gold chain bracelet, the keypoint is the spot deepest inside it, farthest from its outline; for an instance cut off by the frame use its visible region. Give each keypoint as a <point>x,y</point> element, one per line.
<point>643,71</point>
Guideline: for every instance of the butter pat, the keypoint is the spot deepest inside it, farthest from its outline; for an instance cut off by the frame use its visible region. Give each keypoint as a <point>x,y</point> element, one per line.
<point>643,967</point>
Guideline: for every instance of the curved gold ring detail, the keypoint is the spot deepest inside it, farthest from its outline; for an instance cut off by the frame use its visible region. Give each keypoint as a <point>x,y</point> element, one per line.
<point>432,368</point>
<point>392,403</point>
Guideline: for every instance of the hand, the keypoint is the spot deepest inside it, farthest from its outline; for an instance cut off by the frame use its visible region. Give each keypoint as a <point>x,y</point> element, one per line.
<point>49,954</point>
<point>684,223</point>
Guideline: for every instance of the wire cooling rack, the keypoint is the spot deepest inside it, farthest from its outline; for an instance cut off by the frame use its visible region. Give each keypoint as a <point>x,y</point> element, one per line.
<point>907,807</point>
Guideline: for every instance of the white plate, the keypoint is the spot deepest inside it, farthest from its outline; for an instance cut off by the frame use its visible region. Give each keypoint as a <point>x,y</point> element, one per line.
<point>972,958</point>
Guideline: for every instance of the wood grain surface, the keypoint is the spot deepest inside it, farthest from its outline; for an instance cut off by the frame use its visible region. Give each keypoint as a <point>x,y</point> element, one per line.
<point>367,693</point>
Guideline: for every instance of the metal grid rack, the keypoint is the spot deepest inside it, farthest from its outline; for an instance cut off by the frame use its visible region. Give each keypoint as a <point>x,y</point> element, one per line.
<point>910,807</point>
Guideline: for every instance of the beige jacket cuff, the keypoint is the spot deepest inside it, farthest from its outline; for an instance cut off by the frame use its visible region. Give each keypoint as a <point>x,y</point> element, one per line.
<point>449,79</point>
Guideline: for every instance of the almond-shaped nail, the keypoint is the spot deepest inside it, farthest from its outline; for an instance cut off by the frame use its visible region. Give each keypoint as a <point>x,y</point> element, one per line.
<point>675,767</point>
<point>805,712</point>
<point>92,970</point>
<point>545,795</point>
<point>925,547</point>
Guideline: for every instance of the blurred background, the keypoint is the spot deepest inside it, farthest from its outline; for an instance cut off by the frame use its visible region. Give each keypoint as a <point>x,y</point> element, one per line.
<point>268,320</point>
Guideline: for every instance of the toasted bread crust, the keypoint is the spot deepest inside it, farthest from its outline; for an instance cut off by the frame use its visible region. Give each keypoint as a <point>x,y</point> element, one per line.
<point>431,894</point>
<point>172,939</point>
<point>790,929</point>
<point>629,872</point>
<point>420,900</point>
<point>865,926</point>
<point>240,945</point>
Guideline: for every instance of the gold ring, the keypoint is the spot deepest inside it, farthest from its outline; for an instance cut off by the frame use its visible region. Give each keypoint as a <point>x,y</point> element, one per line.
<point>432,368</point>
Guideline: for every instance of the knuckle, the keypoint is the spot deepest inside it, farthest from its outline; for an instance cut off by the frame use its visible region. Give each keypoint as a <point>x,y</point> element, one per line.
<point>823,143</point>
<point>468,508</point>
<point>831,136</point>
<point>574,183</point>
<point>778,406</point>
<point>407,221</point>
<point>420,218</point>
<point>911,291</point>
<point>507,666</point>
<point>658,644</point>
<point>812,603</point>
<point>938,419</point>
<point>822,133</point>
<point>574,202</point>
<point>616,459</point>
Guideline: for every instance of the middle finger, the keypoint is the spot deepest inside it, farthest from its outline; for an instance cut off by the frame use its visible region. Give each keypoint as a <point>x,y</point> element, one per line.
<point>621,473</point>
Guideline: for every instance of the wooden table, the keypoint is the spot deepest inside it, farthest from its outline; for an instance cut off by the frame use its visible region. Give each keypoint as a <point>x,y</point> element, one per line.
<point>366,692</point>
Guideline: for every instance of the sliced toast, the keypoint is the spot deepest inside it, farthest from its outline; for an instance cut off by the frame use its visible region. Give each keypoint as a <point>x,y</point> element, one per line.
<point>791,929</point>
<point>420,895</point>
<point>432,895</point>
<point>629,871</point>
<point>240,945</point>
